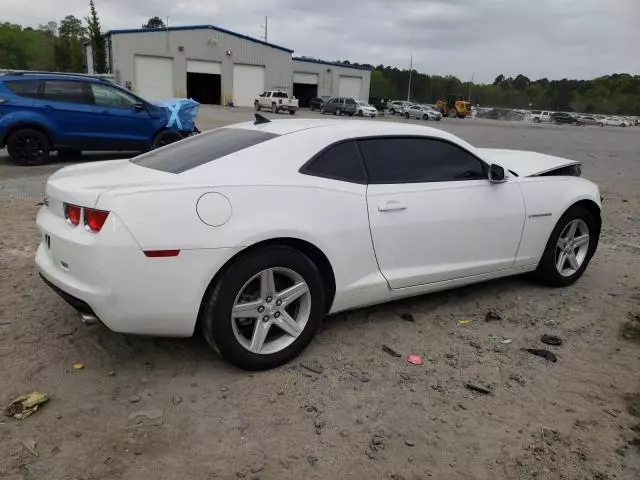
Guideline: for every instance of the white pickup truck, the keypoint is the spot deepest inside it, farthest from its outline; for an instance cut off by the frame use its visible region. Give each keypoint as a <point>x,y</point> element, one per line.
<point>538,116</point>
<point>275,101</point>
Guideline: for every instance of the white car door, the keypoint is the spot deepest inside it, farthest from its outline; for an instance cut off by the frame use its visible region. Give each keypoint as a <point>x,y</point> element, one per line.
<point>433,213</point>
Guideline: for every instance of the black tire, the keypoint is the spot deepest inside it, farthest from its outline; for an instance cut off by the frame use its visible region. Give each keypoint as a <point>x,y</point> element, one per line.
<point>392,111</point>
<point>218,303</point>
<point>292,112</point>
<point>360,113</point>
<point>547,272</point>
<point>338,112</point>
<point>322,110</point>
<point>256,105</point>
<point>406,115</point>
<point>274,108</point>
<point>453,113</point>
<point>312,108</point>
<point>166,137</point>
<point>29,147</point>
<point>425,117</point>
<point>536,120</point>
<point>69,153</point>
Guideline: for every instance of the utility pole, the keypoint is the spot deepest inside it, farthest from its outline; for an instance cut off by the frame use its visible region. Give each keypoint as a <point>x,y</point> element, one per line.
<point>410,71</point>
<point>266,28</point>
<point>470,85</point>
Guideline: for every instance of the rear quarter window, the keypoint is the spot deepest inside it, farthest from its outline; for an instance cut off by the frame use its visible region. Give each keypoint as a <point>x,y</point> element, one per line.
<point>200,149</point>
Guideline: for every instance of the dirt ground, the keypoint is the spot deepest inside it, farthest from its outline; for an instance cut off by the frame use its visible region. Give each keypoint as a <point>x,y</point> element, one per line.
<point>171,409</point>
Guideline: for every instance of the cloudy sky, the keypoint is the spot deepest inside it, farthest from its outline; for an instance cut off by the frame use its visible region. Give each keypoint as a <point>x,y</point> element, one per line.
<point>539,38</point>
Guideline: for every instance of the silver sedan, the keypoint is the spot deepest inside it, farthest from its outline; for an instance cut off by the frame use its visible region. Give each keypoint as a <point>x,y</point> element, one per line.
<point>421,112</point>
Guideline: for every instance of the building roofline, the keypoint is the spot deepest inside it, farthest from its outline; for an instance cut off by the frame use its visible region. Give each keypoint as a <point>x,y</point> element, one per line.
<point>322,62</point>
<point>198,27</point>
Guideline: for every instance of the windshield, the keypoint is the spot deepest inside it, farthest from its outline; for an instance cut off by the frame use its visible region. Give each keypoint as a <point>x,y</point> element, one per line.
<point>200,149</point>
<point>363,104</point>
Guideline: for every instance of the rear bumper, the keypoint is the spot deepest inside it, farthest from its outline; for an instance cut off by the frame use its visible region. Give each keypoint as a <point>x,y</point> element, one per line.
<point>109,276</point>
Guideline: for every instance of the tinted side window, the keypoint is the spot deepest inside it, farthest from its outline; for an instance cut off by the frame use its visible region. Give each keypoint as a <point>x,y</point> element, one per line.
<point>24,88</point>
<point>341,162</point>
<point>415,160</point>
<point>200,149</point>
<point>64,91</point>
<point>350,101</point>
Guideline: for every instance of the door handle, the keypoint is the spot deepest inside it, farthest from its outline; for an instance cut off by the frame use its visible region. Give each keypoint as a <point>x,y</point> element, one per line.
<point>392,206</point>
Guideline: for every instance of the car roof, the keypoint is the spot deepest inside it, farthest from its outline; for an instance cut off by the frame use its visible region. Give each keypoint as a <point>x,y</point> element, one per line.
<point>348,128</point>
<point>49,76</point>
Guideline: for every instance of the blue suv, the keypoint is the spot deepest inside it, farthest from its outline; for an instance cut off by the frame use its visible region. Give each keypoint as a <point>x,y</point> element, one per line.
<point>45,112</point>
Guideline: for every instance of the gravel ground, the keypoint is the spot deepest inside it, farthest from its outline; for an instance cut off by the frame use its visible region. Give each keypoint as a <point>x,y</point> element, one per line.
<point>165,409</point>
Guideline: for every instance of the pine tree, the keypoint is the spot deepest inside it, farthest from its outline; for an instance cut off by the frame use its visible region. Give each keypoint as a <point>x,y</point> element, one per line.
<point>97,41</point>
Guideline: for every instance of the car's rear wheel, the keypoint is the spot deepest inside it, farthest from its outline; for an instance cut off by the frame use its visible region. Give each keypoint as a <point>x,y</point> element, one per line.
<point>392,111</point>
<point>312,108</point>
<point>166,137</point>
<point>29,147</point>
<point>256,105</point>
<point>292,112</point>
<point>265,308</point>
<point>69,153</point>
<point>338,112</point>
<point>571,245</point>
<point>274,108</point>
<point>406,115</point>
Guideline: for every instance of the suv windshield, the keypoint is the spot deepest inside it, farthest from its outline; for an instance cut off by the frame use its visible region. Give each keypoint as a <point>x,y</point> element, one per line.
<point>200,149</point>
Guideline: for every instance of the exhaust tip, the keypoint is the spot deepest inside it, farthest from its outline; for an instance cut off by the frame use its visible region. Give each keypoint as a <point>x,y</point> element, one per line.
<point>88,319</point>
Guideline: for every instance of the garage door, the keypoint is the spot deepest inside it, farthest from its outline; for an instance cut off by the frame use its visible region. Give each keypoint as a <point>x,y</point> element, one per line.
<point>248,82</point>
<point>306,78</point>
<point>202,66</point>
<point>153,77</point>
<point>350,87</point>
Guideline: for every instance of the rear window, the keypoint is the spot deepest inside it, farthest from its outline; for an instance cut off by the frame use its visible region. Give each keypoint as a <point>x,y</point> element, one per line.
<point>200,149</point>
<point>24,88</point>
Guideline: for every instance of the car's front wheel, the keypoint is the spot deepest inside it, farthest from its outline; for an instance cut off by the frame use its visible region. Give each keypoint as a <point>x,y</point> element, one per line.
<point>27,146</point>
<point>569,249</point>
<point>265,308</point>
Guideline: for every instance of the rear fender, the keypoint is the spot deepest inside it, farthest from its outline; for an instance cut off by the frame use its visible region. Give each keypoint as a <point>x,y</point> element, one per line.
<point>10,122</point>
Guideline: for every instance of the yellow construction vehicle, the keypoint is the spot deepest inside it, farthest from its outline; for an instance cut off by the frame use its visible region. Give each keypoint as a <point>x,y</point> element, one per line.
<point>454,107</point>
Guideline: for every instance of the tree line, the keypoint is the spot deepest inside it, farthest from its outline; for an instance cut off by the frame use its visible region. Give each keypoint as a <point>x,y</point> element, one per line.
<point>58,46</point>
<point>618,93</point>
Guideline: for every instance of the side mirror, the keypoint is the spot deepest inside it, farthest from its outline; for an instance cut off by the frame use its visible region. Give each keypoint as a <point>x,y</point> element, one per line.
<point>496,174</point>
<point>138,107</point>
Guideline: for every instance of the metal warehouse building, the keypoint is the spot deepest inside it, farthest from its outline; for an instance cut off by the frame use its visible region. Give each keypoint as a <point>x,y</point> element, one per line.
<point>216,66</point>
<point>315,78</point>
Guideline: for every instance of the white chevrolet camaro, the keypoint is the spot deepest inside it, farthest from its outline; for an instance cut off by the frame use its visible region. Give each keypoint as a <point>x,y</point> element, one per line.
<point>252,233</point>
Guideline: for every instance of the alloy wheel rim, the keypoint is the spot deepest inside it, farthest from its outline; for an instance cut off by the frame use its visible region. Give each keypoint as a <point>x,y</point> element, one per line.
<point>572,247</point>
<point>271,310</point>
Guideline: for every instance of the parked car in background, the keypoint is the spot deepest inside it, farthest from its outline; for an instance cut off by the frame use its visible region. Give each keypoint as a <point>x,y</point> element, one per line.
<point>340,105</point>
<point>614,122</point>
<point>276,101</point>
<point>539,116</point>
<point>590,120</point>
<point>432,110</point>
<point>421,112</point>
<point>564,118</point>
<point>365,110</point>
<point>397,107</point>
<point>41,113</point>
<point>318,102</point>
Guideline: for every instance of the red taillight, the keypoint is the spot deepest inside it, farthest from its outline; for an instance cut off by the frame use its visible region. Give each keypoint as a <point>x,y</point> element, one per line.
<point>161,253</point>
<point>72,213</point>
<point>94,219</point>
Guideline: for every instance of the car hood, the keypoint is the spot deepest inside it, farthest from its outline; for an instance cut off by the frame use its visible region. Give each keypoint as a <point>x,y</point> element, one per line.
<point>525,164</point>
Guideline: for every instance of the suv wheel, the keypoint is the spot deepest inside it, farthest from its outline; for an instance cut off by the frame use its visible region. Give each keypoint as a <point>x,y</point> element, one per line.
<point>256,105</point>
<point>29,147</point>
<point>166,137</point>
